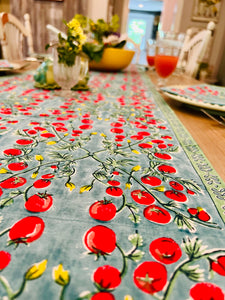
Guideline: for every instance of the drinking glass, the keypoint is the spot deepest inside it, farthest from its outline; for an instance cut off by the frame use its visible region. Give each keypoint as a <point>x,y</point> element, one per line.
<point>150,53</point>
<point>166,58</point>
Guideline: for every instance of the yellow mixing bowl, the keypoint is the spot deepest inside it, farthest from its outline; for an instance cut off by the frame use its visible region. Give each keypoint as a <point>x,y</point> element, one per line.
<point>113,59</point>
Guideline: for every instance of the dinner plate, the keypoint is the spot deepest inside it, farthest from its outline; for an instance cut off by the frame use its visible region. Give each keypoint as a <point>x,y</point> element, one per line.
<point>13,67</point>
<point>206,96</point>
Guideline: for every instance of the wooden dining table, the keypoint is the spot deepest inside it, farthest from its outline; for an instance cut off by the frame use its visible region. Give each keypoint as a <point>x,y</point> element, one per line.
<point>207,133</point>
<point>112,193</point>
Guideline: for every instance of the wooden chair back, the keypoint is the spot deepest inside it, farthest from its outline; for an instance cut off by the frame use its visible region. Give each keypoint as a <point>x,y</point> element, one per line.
<point>195,48</point>
<point>16,37</point>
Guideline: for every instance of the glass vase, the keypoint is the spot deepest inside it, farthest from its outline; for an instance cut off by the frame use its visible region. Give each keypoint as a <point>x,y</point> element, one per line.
<point>66,76</point>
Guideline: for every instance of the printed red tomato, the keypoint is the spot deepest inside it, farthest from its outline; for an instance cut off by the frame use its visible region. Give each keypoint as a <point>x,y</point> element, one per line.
<point>100,240</point>
<point>47,135</point>
<point>175,195</point>
<point>24,142</point>
<point>13,182</point>
<point>39,202</point>
<point>142,197</point>
<point>116,130</point>
<point>103,296</point>
<point>192,211</point>
<point>218,265</point>
<point>203,215</point>
<point>151,180</point>
<point>27,230</point>
<point>41,183</point>
<point>150,277</point>
<point>107,277</point>
<point>206,291</point>
<point>166,169</point>
<point>114,182</point>
<point>162,155</point>
<point>116,124</point>
<point>145,145</point>
<point>190,192</point>
<point>176,185</point>
<point>85,127</point>
<point>156,214</point>
<point>12,152</point>
<point>114,191</point>
<point>47,176</point>
<point>102,210</point>
<point>165,250</point>
<point>5,258</point>
<point>17,166</point>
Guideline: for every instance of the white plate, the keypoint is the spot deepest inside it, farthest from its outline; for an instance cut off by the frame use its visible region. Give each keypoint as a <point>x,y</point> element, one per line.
<point>204,102</point>
<point>15,66</point>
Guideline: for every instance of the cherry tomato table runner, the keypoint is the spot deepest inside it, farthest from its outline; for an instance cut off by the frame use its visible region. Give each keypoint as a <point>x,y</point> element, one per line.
<point>105,195</point>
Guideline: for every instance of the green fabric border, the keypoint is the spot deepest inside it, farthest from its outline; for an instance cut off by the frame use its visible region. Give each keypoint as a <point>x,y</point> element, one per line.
<point>212,181</point>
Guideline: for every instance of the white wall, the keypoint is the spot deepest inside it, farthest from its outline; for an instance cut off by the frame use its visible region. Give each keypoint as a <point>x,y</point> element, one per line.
<point>98,9</point>
<point>184,21</point>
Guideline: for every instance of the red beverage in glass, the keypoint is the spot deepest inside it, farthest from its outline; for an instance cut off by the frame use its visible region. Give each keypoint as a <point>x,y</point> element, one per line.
<point>165,65</point>
<point>150,60</point>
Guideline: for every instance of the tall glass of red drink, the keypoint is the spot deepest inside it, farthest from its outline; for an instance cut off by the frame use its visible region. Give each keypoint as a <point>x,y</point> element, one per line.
<point>150,53</point>
<point>166,58</point>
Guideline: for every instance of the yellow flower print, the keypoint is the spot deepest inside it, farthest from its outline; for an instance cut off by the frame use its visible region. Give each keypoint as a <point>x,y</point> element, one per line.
<point>85,188</point>
<point>36,270</point>
<point>128,185</point>
<point>136,168</point>
<point>34,175</point>
<point>51,143</point>
<point>39,157</point>
<point>160,188</point>
<point>136,152</point>
<point>3,171</point>
<point>61,276</point>
<point>71,186</point>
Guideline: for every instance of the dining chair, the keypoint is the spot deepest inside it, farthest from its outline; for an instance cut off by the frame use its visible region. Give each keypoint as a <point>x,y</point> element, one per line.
<point>130,44</point>
<point>195,48</point>
<point>15,37</point>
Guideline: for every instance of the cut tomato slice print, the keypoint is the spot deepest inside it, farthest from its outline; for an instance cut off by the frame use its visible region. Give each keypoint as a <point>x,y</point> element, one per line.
<point>150,277</point>
<point>142,197</point>
<point>100,240</point>
<point>26,230</point>
<point>102,210</point>
<point>157,214</point>
<point>165,250</point>
<point>107,277</point>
